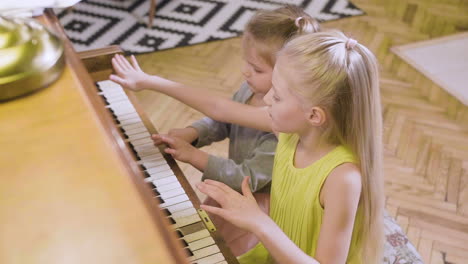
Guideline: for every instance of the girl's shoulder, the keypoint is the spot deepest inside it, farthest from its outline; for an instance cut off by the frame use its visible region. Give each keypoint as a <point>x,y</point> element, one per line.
<point>345,178</point>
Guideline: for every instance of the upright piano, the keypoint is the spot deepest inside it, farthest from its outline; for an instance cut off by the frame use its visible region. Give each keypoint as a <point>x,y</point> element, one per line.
<point>81,182</point>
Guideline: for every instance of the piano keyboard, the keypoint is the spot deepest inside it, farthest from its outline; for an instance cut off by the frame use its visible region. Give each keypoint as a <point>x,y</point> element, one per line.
<point>172,199</point>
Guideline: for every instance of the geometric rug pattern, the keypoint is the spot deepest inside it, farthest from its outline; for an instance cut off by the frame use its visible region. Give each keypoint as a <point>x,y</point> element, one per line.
<point>425,128</point>
<point>94,24</point>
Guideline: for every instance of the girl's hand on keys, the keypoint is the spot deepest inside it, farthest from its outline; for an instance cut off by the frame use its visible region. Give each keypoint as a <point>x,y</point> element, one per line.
<point>129,75</point>
<point>178,148</point>
<point>240,210</point>
<point>188,134</point>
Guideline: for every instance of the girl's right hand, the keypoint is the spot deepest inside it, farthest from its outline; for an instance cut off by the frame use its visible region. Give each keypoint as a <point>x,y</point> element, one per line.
<point>188,134</point>
<point>129,76</point>
<point>241,210</point>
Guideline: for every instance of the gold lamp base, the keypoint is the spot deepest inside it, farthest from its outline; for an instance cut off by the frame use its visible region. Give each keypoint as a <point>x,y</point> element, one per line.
<point>31,57</point>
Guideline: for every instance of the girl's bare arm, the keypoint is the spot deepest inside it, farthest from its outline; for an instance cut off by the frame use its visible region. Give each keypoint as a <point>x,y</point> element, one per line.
<point>130,76</point>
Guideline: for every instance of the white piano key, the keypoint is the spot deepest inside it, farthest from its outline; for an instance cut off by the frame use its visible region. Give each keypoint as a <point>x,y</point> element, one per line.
<point>136,130</point>
<point>151,178</point>
<point>201,243</point>
<point>183,209</point>
<point>147,153</point>
<point>174,200</point>
<point>171,193</point>
<point>211,259</point>
<point>108,84</point>
<point>139,136</point>
<point>169,186</point>
<point>130,121</point>
<point>133,126</point>
<point>127,116</point>
<point>116,97</point>
<point>145,146</point>
<point>156,169</point>
<point>152,158</point>
<point>185,221</point>
<point>160,175</point>
<point>121,107</point>
<point>205,252</point>
<point>140,141</point>
<point>182,213</point>
<point>189,238</point>
<point>120,112</point>
<point>163,181</point>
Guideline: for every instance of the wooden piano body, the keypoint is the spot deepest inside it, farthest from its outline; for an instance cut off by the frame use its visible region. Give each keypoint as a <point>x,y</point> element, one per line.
<point>70,190</point>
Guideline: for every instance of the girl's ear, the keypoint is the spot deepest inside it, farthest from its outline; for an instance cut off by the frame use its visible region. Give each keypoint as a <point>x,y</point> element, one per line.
<point>316,116</point>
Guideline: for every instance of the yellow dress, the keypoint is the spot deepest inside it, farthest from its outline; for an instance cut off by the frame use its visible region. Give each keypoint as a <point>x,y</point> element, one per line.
<point>295,204</point>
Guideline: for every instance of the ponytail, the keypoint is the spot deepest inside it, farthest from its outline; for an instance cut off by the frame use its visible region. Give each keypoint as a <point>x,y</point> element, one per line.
<point>341,76</point>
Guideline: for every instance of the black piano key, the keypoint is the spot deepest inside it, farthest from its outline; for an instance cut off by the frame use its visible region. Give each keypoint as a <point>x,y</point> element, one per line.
<point>151,185</point>
<point>171,220</point>
<point>146,174</point>
<point>160,200</point>
<point>166,212</point>
<point>98,87</point>
<point>142,167</point>
<point>184,243</point>
<point>189,252</point>
<point>179,234</point>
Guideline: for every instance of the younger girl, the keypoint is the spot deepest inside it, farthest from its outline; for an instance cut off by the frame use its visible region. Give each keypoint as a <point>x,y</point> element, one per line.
<point>326,196</point>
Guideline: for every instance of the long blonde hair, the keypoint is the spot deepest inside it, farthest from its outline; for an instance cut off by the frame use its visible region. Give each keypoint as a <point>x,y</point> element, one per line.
<point>269,30</point>
<point>342,77</point>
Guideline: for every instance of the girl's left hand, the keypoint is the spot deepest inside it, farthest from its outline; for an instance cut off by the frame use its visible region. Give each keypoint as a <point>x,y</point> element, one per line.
<point>128,75</point>
<point>240,210</point>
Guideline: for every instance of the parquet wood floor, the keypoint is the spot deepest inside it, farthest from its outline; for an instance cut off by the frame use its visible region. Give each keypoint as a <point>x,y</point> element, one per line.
<point>425,129</point>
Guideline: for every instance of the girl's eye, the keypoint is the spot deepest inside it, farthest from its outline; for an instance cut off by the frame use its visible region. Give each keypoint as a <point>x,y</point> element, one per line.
<point>257,71</point>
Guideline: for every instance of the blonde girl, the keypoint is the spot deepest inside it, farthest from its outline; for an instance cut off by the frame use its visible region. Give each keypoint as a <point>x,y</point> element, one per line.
<point>326,196</point>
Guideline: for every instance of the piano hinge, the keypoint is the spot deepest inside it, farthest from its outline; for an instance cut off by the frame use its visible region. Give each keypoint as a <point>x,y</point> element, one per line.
<point>206,220</point>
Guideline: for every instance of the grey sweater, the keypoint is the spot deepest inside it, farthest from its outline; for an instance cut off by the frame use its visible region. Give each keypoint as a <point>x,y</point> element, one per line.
<point>251,151</point>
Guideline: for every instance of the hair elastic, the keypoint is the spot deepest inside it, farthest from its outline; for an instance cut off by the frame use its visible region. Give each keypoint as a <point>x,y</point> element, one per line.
<point>297,21</point>
<point>350,43</point>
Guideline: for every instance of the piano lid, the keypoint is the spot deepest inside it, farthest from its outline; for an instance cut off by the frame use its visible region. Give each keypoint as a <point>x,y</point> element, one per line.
<point>66,194</point>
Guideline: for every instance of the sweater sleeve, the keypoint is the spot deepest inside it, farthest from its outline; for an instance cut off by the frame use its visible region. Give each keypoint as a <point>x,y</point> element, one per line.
<point>259,167</point>
<point>210,131</point>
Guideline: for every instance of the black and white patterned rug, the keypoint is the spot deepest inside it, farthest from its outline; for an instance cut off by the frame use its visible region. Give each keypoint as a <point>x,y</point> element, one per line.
<point>98,23</point>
